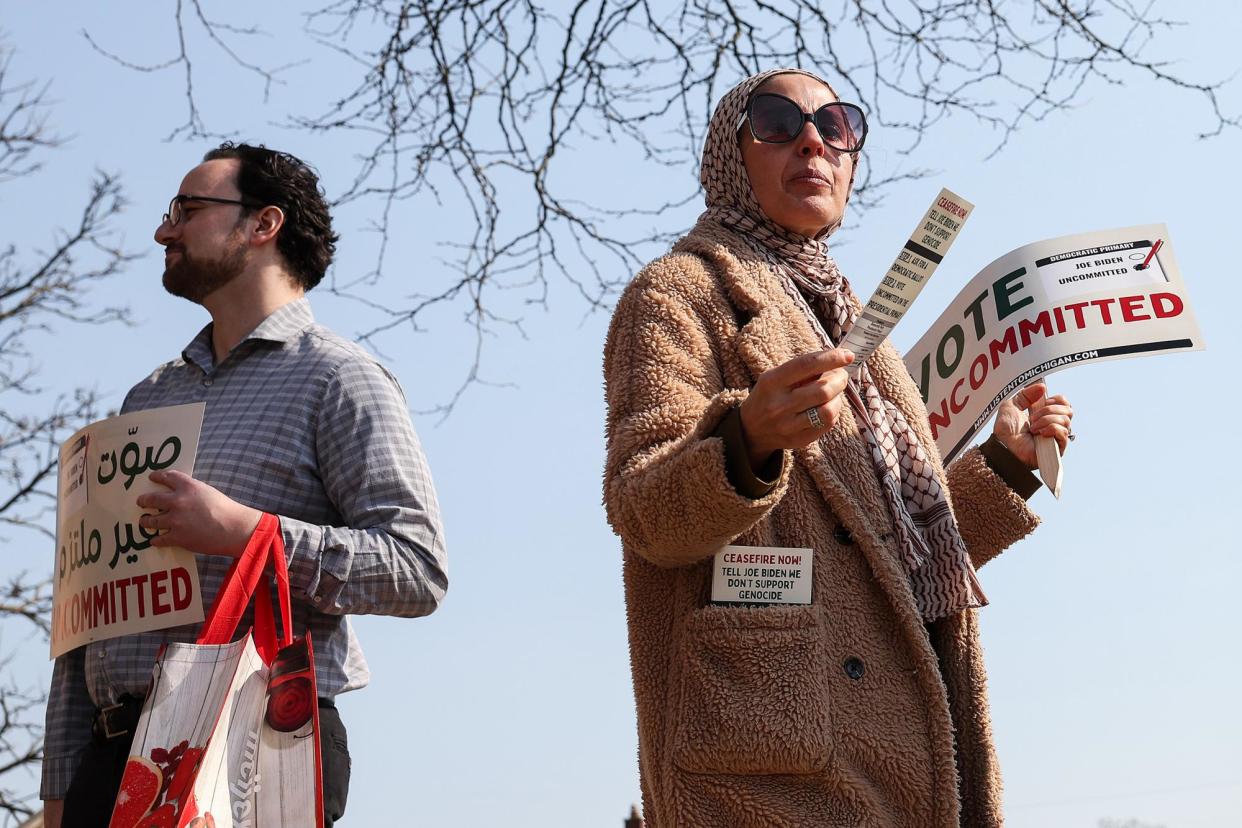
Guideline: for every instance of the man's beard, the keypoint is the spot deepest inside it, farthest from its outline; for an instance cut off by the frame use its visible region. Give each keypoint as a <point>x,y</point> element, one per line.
<point>195,280</point>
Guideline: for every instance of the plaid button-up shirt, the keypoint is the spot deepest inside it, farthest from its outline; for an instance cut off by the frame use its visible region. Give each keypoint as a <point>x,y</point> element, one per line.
<point>304,424</point>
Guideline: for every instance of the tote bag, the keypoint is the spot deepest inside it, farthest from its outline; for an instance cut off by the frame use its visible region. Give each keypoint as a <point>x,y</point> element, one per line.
<point>229,732</point>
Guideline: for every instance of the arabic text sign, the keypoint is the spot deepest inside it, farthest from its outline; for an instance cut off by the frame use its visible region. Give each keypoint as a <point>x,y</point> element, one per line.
<point>1042,308</point>
<point>108,579</point>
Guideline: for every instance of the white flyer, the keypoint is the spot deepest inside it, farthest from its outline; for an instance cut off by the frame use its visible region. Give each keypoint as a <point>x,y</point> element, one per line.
<point>907,276</point>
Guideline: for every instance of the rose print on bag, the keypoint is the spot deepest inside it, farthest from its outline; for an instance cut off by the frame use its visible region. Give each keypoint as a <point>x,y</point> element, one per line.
<point>291,695</point>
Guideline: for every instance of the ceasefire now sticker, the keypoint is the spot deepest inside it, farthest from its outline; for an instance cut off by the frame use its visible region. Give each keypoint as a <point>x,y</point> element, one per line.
<point>762,575</point>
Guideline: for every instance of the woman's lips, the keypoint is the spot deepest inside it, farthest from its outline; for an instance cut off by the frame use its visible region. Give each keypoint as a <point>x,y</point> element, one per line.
<point>811,177</point>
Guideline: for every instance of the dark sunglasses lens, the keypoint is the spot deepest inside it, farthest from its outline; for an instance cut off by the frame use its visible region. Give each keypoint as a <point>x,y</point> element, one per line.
<point>775,119</point>
<point>842,126</point>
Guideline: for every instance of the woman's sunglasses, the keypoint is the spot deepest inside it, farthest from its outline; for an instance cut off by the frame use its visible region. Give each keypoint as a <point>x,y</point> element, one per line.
<point>774,119</point>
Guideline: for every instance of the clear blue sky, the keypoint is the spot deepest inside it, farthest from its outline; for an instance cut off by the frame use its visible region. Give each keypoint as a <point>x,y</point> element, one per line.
<point>1112,636</point>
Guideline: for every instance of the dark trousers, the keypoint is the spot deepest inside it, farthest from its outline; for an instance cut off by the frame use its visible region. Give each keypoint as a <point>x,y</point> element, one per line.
<point>88,803</point>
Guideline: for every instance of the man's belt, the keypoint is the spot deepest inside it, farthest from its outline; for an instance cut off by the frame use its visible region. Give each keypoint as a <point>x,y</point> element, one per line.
<point>120,719</point>
<point>117,720</point>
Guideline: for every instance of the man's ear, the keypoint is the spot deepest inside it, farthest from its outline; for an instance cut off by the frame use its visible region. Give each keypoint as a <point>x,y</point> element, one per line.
<point>270,220</point>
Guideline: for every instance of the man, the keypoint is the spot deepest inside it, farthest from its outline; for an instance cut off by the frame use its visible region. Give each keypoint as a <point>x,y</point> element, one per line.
<point>299,423</point>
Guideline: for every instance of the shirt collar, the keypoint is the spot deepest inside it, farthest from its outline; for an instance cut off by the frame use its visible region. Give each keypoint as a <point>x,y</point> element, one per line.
<point>280,326</point>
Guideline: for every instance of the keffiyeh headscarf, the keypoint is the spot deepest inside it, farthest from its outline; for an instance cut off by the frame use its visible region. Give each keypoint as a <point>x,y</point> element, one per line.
<point>941,576</point>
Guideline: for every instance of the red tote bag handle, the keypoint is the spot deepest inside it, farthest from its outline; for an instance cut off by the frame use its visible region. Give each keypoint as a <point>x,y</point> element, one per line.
<point>243,582</point>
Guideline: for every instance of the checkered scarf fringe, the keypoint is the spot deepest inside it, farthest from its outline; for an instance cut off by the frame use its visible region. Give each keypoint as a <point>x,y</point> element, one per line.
<point>941,576</point>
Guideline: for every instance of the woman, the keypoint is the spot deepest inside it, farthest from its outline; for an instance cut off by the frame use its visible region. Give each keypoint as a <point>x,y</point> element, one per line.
<point>732,421</point>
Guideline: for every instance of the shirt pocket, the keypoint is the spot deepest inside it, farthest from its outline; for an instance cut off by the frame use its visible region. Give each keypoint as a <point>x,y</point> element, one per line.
<point>754,692</point>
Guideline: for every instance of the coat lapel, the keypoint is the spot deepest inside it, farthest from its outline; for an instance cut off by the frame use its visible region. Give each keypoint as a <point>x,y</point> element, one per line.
<point>773,331</point>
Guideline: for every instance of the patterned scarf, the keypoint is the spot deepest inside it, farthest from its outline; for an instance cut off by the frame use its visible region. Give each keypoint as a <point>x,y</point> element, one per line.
<point>941,576</point>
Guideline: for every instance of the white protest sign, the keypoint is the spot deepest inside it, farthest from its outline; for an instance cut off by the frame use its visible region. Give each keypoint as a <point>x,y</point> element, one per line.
<point>108,579</point>
<point>906,278</point>
<point>1042,308</point>
<point>762,575</point>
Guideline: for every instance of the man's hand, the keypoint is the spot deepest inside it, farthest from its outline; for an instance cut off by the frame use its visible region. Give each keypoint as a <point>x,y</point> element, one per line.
<point>196,516</point>
<point>1030,413</point>
<point>774,415</point>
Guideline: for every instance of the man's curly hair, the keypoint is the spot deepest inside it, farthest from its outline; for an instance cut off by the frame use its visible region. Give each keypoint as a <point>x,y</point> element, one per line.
<point>269,177</point>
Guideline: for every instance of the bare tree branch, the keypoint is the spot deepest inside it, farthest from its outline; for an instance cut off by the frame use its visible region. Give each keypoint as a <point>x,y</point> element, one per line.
<point>41,288</point>
<point>23,123</point>
<point>189,14</point>
<point>458,101</point>
<point>21,745</point>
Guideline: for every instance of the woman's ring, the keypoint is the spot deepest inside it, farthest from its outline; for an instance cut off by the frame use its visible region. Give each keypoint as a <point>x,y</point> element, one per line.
<point>812,414</point>
<point>1070,435</point>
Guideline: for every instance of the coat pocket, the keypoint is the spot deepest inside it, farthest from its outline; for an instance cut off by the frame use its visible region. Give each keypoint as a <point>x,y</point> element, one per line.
<point>754,692</point>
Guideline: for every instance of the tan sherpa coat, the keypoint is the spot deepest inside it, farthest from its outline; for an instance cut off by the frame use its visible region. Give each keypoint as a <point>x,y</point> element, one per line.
<point>747,716</point>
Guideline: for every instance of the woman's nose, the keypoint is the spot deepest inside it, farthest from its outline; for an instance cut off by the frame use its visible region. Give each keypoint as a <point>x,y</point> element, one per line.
<point>809,140</point>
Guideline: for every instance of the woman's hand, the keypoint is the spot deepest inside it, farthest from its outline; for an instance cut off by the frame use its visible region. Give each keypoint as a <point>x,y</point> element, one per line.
<point>776,414</point>
<point>1031,413</point>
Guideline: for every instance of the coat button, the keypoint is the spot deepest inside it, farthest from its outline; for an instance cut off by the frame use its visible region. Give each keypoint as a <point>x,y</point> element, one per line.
<point>854,667</point>
<point>207,382</point>
<point>842,536</point>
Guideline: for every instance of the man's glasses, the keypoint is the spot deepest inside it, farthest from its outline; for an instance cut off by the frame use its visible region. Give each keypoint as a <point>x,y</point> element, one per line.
<point>176,210</point>
<point>774,119</point>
